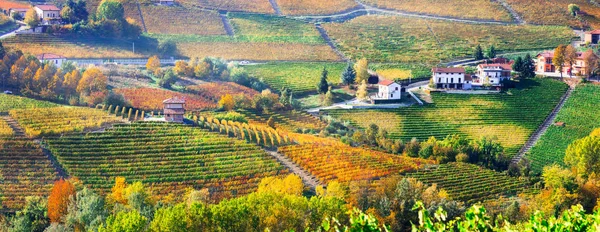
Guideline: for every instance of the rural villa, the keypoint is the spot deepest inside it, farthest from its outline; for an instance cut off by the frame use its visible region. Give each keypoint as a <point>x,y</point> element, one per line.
<point>48,14</point>
<point>544,63</point>
<point>488,75</point>
<point>57,60</point>
<point>389,92</point>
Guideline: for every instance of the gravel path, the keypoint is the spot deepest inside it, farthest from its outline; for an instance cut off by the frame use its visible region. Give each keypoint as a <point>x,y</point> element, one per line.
<point>330,42</point>
<point>542,129</point>
<point>275,7</point>
<point>518,19</point>
<point>308,179</point>
<point>226,23</point>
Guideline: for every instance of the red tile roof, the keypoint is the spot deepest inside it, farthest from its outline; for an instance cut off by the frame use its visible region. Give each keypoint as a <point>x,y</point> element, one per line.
<point>546,54</point>
<point>448,70</point>
<point>594,32</point>
<point>175,100</point>
<point>502,66</point>
<point>468,77</point>
<point>46,56</point>
<point>386,82</point>
<point>48,7</point>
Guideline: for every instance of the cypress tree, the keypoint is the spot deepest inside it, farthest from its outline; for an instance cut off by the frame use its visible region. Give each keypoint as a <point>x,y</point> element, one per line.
<point>323,85</point>
<point>528,69</point>
<point>491,52</point>
<point>349,75</point>
<point>518,65</point>
<point>478,55</point>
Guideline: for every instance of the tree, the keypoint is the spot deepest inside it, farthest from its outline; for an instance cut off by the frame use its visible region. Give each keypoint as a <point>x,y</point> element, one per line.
<point>528,67</point>
<point>110,10</point>
<point>328,100</point>
<point>362,93</point>
<point>168,79</point>
<point>74,12</point>
<point>271,122</point>
<point>478,55</point>
<point>227,102</point>
<point>181,68</point>
<point>362,70</point>
<point>285,98</point>
<point>86,211</point>
<point>291,184</point>
<point>570,57</point>
<point>559,58</point>
<point>167,48</point>
<point>31,18</point>
<point>323,85</point>
<point>556,177</point>
<point>116,194</point>
<point>349,75</point>
<point>124,221</point>
<point>32,217</point>
<point>518,65</point>
<point>491,52</point>
<point>584,155</point>
<point>93,80</point>
<point>591,61</point>
<point>153,64</point>
<point>574,9</point>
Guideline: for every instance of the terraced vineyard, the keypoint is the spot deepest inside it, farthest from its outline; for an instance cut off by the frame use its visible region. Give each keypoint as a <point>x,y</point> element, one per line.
<point>468,182</point>
<point>214,91</point>
<point>289,120</point>
<point>24,171</point>
<point>315,7</point>
<point>511,118</point>
<point>411,40</point>
<point>151,99</point>
<point>256,6</point>
<point>60,120</point>
<point>5,129</point>
<point>171,157</point>
<point>178,20</point>
<point>269,28</point>
<point>300,77</point>
<point>384,119</point>
<point>555,12</point>
<point>10,102</point>
<point>344,163</point>
<point>469,9</point>
<point>580,114</point>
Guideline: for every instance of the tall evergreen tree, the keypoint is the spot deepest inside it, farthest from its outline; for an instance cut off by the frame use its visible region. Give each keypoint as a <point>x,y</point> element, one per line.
<point>349,75</point>
<point>518,65</point>
<point>528,69</point>
<point>491,53</point>
<point>478,55</point>
<point>323,85</point>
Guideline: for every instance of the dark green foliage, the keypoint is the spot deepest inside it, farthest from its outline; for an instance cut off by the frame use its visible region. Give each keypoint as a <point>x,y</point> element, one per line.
<point>323,86</point>
<point>110,10</point>
<point>168,79</point>
<point>491,52</point>
<point>167,48</point>
<point>349,75</point>
<point>116,99</point>
<point>478,54</point>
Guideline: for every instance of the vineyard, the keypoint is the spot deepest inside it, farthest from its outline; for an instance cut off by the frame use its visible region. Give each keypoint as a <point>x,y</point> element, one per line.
<point>151,99</point>
<point>214,91</point>
<point>177,20</point>
<point>555,12</point>
<point>289,120</point>
<point>24,171</point>
<point>9,102</point>
<point>344,163</point>
<point>468,182</point>
<point>5,129</point>
<point>384,119</point>
<point>268,28</point>
<point>580,116</point>
<point>60,120</point>
<point>315,7</point>
<point>299,77</point>
<point>410,40</point>
<point>511,118</point>
<point>171,157</point>
<point>256,6</point>
<point>469,9</point>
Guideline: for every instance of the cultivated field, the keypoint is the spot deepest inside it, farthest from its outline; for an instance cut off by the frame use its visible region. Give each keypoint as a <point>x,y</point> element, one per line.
<point>469,9</point>
<point>510,118</point>
<point>178,20</point>
<point>5,129</point>
<point>10,102</point>
<point>151,99</point>
<point>258,51</point>
<point>468,182</point>
<point>384,119</point>
<point>257,6</point>
<point>289,120</point>
<point>300,77</point>
<point>215,90</point>
<point>580,115</point>
<point>61,120</point>
<point>555,12</point>
<point>410,40</point>
<point>268,28</point>
<point>314,7</point>
<point>24,171</point>
<point>344,163</point>
<point>170,157</point>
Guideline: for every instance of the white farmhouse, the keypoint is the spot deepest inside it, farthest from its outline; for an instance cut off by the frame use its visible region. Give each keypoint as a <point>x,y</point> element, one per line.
<point>47,13</point>
<point>450,78</point>
<point>492,74</point>
<point>389,92</point>
<point>57,60</point>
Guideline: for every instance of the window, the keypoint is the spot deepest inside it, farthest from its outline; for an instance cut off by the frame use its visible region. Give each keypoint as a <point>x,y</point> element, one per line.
<point>451,80</point>
<point>392,95</point>
<point>458,80</point>
<point>396,88</point>
<point>439,79</point>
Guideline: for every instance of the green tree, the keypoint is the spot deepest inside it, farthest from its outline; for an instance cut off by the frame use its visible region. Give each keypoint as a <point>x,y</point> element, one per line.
<point>518,65</point>
<point>323,85</point>
<point>181,217</point>
<point>349,75</point>
<point>328,100</point>
<point>111,10</point>
<point>86,211</point>
<point>528,69</point>
<point>124,221</point>
<point>33,217</point>
<point>559,58</point>
<point>574,9</point>
<point>556,177</point>
<point>478,54</point>
<point>168,79</point>
<point>584,155</point>
<point>491,52</point>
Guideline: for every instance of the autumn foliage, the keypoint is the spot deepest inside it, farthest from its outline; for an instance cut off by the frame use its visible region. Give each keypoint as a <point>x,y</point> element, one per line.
<point>59,199</point>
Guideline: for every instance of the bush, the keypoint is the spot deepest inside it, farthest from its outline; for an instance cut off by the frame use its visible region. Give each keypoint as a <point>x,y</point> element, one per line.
<point>114,99</point>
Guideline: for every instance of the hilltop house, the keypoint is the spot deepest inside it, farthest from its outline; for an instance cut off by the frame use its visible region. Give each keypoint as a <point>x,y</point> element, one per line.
<point>389,92</point>
<point>450,78</point>
<point>57,60</point>
<point>592,37</point>
<point>544,63</point>
<point>174,109</point>
<point>19,11</point>
<point>48,14</point>
<point>164,2</point>
<point>492,74</point>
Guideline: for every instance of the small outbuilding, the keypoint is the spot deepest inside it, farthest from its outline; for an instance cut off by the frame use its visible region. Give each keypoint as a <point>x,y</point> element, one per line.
<point>57,60</point>
<point>389,92</point>
<point>592,37</point>
<point>174,109</point>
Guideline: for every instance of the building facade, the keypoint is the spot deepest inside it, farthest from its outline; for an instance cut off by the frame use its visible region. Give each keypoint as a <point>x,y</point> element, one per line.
<point>174,109</point>
<point>493,74</point>
<point>389,92</point>
<point>449,78</point>
<point>592,37</point>
<point>57,60</point>
<point>544,64</point>
<point>48,14</point>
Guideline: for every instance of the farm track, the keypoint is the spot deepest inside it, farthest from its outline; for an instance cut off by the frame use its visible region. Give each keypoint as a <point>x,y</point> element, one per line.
<point>309,180</point>
<point>17,129</point>
<point>330,42</point>
<point>518,19</point>
<point>542,129</point>
<point>226,23</point>
<point>137,3</point>
<point>275,7</point>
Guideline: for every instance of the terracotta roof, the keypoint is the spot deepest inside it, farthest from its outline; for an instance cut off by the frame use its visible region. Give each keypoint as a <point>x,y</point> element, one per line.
<point>386,82</point>
<point>546,54</point>
<point>46,56</point>
<point>175,100</point>
<point>580,55</point>
<point>174,111</point>
<point>468,77</point>
<point>502,66</point>
<point>586,54</point>
<point>594,32</point>
<point>448,70</point>
<point>48,7</point>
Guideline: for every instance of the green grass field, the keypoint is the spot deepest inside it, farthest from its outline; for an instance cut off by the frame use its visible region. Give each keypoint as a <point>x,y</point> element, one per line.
<point>269,28</point>
<point>300,77</point>
<point>580,114</point>
<point>509,117</point>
